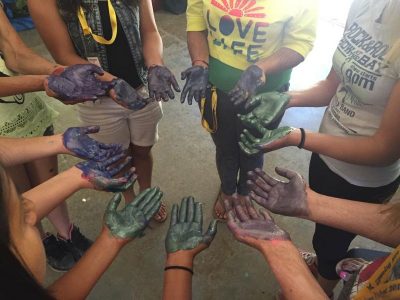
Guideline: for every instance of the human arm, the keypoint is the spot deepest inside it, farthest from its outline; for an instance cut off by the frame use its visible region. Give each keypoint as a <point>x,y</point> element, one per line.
<point>120,227</point>
<point>91,175</point>
<point>380,149</point>
<point>259,231</point>
<point>183,242</point>
<point>74,141</point>
<point>196,76</point>
<point>160,78</point>
<point>297,38</point>
<point>294,198</point>
<point>53,32</point>
<point>18,57</point>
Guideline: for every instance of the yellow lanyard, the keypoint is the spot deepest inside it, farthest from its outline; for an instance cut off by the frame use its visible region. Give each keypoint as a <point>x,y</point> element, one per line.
<point>379,286</point>
<point>87,30</point>
<point>214,100</point>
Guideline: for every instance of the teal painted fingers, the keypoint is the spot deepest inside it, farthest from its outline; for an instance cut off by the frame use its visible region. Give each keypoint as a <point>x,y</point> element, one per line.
<point>252,145</point>
<point>185,231</point>
<point>264,109</point>
<point>131,221</point>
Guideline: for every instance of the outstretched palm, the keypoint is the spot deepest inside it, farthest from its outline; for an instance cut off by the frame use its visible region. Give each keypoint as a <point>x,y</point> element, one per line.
<point>285,198</point>
<point>185,231</point>
<point>131,221</point>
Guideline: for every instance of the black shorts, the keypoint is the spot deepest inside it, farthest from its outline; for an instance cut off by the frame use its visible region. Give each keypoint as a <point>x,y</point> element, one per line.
<point>331,244</point>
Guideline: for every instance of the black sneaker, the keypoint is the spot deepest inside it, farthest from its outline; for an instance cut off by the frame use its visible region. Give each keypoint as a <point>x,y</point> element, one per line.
<point>77,244</point>
<point>59,257</point>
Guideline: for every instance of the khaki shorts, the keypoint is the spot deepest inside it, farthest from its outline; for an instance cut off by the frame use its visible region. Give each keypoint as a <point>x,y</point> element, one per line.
<point>121,125</point>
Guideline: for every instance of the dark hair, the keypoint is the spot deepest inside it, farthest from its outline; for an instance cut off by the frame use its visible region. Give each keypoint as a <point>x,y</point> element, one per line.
<point>16,282</point>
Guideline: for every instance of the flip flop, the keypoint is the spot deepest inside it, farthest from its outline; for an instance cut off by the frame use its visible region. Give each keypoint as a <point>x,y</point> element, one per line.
<point>158,217</point>
<point>217,215</point>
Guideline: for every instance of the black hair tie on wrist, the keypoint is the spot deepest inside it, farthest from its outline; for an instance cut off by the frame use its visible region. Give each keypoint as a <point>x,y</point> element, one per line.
<point>178,268</point>
<point>303,138</point>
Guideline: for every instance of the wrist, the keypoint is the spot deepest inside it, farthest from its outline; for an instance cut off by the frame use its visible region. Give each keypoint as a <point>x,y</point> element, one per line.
<point>200,62</point>
<point>180,258</point>
<point>275,247</point>
<point>294,138</point>
<point>61,147</point>
<point>110,241</point>
<point>81,181</point>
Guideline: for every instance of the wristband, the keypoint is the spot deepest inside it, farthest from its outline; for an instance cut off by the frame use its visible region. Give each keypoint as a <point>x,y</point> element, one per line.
<point>302,139</point>
<point>200,60</point>
<point>179,268</point>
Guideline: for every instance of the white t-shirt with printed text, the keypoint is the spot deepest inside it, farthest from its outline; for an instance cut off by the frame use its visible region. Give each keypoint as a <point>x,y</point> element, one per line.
<point>366,84</point>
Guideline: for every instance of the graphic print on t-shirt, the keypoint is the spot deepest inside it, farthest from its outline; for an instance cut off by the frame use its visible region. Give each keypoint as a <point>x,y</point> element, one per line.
<point>361,68</point>
<point>231,21</point>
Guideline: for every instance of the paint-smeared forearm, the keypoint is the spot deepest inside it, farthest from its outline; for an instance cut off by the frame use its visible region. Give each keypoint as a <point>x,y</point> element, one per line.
<point>15,151</point>
<point>291,272</point>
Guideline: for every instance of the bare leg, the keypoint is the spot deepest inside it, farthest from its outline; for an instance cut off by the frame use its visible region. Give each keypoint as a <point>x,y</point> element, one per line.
<point>143,162</point>
<point>39,171</point>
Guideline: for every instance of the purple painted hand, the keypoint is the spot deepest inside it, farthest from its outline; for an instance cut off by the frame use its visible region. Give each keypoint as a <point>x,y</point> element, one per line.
<point>77,141</point>
<point>250,227</point>
<point>284,198</point>
<point>78,83</point>
<point>196,84</point>
<point>100,174</point>
<point>252,78</point>
<point>160,80</point>
<point>127,96</point>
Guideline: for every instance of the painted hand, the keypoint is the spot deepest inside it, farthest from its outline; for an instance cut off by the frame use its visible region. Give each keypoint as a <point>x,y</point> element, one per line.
<point>265,109</point>
<point>160,80</point>
<point>284,198</point>
<point>271,140</point>
<point>252,78</point>
<point>250,227</point>
<point>77,83</point>
<point>186,227</point>
<point>100,174</point>
<point>77,141</point>
<point>196,84</point>
<point>132,220</point>
<point>127,96</point>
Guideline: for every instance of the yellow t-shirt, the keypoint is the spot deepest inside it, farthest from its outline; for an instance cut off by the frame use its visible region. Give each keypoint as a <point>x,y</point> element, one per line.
<point>241,32</point>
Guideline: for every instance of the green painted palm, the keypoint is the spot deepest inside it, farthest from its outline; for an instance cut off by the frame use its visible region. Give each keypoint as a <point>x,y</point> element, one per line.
<point>186,227</point>
<point>132,220</point>
<point>265,109</point>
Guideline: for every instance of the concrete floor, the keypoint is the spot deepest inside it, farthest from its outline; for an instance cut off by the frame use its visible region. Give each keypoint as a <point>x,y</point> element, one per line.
<point>184,165</point>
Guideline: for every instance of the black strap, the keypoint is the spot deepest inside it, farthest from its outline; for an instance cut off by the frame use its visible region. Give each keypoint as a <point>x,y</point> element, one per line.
<point>178,268</point>
<point>303,138</point>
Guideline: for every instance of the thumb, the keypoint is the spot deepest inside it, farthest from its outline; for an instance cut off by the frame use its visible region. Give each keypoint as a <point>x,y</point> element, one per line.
<point>286,173</point>
<point>175,84</point>
<point>114,202</point>
<point>211,232</point>
<point>184,74</point>
<point>91,129</point>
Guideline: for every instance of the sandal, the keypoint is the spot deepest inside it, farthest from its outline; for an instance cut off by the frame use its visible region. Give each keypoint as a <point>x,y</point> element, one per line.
<point>221,216</point>
<point>311,261</point>
<point>162,214</point>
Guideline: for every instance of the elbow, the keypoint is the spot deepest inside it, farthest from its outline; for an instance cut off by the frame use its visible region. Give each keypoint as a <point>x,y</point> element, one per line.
<point>387,155</point>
